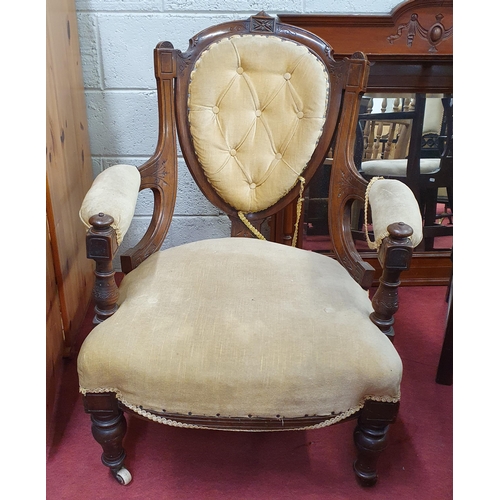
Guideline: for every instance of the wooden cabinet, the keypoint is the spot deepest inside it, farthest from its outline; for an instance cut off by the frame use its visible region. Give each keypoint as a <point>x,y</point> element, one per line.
<point>69,274</point>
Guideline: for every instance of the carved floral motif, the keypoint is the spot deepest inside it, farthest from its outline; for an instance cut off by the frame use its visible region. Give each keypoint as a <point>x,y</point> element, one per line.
<point>262,23</point>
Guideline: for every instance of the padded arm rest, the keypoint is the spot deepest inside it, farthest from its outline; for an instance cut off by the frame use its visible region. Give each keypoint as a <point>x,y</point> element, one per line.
<point>113,192</point>
<point>392,201</point>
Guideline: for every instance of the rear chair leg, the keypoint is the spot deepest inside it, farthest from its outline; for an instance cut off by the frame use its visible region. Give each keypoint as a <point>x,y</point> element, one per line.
<point>108,428</point>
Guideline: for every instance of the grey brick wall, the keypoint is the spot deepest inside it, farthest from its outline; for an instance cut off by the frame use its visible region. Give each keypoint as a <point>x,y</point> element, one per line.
<point>117,38</point>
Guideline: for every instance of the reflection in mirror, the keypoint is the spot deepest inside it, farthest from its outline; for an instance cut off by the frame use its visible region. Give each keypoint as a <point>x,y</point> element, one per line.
<point>404,137</point>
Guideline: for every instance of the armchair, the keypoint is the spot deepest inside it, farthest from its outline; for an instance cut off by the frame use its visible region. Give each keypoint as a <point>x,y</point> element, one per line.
<point>240,333</point>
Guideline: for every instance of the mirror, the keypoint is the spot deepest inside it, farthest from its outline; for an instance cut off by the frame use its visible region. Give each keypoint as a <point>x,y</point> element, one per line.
<point>401,136</point>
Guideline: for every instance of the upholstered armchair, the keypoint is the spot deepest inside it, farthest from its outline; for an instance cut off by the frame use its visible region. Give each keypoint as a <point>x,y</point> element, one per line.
<point>240,333</point>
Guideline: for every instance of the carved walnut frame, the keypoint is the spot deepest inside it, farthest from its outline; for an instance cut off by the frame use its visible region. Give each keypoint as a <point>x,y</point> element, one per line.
<point>348,78</point>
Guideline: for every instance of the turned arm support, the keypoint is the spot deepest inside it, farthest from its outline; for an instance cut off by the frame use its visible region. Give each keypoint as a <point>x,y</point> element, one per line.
<point>107,211</point>
<point>392,202</point>
<point>101,247</point>
<point>394,255</point>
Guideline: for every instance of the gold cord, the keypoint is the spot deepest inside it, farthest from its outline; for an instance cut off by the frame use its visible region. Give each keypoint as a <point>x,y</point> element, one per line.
<point>259,235</point>
<point>373,245</point>
<point>249,225</point>
<point>299,211</point>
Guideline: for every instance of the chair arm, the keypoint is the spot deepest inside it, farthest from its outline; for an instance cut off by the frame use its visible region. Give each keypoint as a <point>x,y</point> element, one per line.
<point>398,228</point>
<point>392,201</point>
<point>113,192</point>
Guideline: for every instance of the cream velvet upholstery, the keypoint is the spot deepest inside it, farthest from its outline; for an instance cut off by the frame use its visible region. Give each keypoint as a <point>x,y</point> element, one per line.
<point>113,192</point>
<point>433,116</point>
<point>392,201</point>
<point>254,121</point>
<point>398,167</point>
<point>237,327</point>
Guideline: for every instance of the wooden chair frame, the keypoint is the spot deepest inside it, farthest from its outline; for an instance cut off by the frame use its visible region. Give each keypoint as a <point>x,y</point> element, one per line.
<point>159,174</point>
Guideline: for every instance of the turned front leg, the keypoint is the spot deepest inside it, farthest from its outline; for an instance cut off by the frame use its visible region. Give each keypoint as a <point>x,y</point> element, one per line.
<point>108,428</point>
<point>370,441</point>
<point>370,437</point>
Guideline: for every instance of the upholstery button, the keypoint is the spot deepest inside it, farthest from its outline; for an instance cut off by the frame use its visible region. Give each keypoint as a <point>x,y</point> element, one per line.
<point>232,152</point>
<point>215,109</point>
<point>300,114</point>
<point>278,156</point>
<point>287,76</point>
<point>253,185</point>
<point>258,112</point>
<point>239,70</point>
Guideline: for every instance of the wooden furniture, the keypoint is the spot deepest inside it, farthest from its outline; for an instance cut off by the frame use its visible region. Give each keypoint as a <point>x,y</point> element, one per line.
<point>69,175</point>
<point>386,135</point>
<point>240,333</point>
<point>441,181</point>
<point>410,51</point>
<point>427,162</point>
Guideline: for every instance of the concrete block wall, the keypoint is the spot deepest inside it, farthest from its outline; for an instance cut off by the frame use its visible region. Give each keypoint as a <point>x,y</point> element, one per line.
<point>117,38</point>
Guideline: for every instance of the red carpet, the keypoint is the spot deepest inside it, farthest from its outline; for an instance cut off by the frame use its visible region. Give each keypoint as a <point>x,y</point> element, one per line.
<point>170,463</point>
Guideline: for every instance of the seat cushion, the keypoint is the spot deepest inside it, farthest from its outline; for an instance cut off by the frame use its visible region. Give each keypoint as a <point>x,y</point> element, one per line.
<point>237,327</point>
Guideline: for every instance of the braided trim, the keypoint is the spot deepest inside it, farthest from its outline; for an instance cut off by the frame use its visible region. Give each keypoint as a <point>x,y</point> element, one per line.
<point>373,245</point>
<point>249,225</point>
<point>299,211</point>
<point>300,200</point>
<point>174,423</point>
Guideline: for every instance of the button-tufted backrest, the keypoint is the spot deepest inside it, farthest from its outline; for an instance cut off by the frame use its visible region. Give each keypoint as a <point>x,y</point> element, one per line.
<point>256,110</point>
<point>256,105</point>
